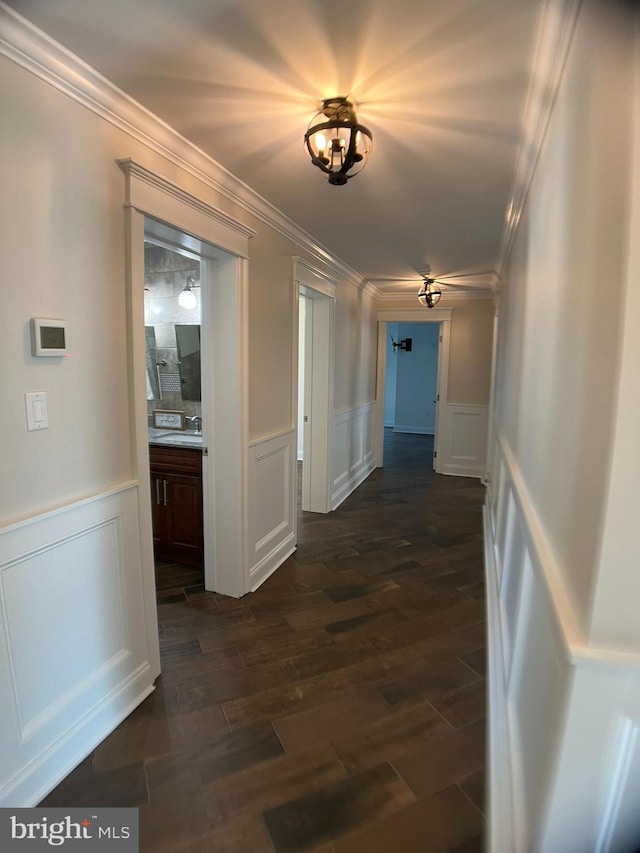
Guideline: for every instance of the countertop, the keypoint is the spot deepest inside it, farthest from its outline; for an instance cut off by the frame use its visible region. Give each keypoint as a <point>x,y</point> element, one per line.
<point>176,438</point>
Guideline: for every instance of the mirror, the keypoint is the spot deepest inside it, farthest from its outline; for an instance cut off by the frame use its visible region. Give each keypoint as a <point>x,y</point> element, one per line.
<point>188,343</point>
<point>153,377</point>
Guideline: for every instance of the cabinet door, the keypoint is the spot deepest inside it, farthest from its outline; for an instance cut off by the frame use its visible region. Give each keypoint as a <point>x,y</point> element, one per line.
<point>157,508</point>
<point>183,517</point>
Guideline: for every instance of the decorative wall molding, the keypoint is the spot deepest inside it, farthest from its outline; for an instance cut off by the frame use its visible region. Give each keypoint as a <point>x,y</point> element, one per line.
<point>462,439</point>
<point>273,504</point>
<point>87,550</point>
<point>502,796</point>
<point>353,450</point>
<point>626,755</point>
<point>38,53</point>
<point>554,39</point>
<point>546,564</point>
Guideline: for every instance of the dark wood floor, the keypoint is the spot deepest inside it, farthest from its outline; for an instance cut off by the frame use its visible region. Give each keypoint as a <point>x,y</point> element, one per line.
<point>340,708</point>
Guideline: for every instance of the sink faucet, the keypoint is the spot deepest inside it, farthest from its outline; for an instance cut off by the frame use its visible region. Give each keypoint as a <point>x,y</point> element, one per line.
<point>195,422</point>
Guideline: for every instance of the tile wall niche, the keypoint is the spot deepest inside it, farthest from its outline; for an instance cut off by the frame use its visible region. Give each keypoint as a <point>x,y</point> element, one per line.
<point>166,275</point>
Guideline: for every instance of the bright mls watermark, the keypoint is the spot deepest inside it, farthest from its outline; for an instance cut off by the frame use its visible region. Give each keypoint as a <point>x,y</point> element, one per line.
<point>78,829</point>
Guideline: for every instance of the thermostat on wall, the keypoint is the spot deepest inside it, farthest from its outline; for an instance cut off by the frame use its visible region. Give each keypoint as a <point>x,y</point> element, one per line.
<point>48,337</point>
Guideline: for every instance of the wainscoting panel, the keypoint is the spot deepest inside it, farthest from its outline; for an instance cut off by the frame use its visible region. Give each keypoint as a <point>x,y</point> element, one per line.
<point>352,451</point>
<point>73,654</point>
<point>462,439</point>
<point>272,504</point>
<point>564,752</point>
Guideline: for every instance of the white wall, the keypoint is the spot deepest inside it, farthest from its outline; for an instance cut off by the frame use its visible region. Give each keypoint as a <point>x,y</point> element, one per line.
<point>417,379</point>
<point>391,375</point>
<point>564,643</point>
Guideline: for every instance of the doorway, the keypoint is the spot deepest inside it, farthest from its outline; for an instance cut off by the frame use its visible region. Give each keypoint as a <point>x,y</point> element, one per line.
<point>392,320</point>
<point>314,386</point>
<point>172,319</point>
<point>411,388</point>
<point>209,490</point>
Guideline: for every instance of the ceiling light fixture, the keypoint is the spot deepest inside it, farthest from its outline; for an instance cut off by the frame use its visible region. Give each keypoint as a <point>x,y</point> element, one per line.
<point>187,298</point>
<point>336,143</point>
<point>429,296</point>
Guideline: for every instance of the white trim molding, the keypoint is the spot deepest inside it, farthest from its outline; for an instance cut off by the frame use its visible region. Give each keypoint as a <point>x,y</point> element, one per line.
<point>144,188</point>
<point>86,550</point>
<point>353,450</point>
<point>314,276</point>
<point>273,504</point>
<point>550,693</point>
<point>462,441</point>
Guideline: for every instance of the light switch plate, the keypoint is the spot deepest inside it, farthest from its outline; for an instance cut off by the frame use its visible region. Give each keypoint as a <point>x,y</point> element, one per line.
<point>36,406</point>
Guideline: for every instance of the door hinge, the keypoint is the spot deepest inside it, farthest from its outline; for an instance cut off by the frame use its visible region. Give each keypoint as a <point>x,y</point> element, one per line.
<point>438,398</point>
<point>440,338</point>
<point>435,454</point>
<point>205,451</point>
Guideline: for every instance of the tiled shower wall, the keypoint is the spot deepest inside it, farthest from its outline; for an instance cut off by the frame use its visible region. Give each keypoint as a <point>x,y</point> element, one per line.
<point>166,275</point>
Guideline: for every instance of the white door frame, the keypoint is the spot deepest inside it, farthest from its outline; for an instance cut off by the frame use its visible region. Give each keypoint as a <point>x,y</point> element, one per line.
<point>200,229</point>
<point>412,315</point>
<point>319,288</point>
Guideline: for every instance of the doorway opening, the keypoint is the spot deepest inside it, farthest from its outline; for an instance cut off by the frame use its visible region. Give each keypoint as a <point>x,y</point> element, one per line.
<point>411,388</point>
<point>172,316</point>
<point>195,431</point>
<point>402,324</point>
<point>315,397</point>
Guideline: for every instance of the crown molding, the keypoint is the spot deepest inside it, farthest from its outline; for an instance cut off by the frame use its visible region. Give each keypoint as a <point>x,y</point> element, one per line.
<point>36,52</point>
<point>408,299</point>
<point>555,33</point>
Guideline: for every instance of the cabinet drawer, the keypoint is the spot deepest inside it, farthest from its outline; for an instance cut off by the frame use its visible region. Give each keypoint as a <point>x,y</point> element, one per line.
<point>179,460</point>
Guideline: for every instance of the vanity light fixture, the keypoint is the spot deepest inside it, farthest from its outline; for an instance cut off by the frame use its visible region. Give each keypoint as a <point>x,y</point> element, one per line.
<point>187,298</point>
<point>336,142</point>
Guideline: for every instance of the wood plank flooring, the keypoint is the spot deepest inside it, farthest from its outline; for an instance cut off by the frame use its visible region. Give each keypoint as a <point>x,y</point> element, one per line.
<point>338,709</point>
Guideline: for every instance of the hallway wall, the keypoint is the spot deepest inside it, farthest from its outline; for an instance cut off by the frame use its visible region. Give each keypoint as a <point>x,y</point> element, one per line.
<point>73,489</point>
<point>565,647</point>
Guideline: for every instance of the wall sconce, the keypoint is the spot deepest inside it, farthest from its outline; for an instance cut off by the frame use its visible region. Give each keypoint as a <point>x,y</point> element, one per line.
<point>406,344</point>
<point>187,298</point>
<point>336,143</point>
<point>429,296</point>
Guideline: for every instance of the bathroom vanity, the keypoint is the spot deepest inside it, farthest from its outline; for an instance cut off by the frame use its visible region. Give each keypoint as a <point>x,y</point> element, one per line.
<point>176,497</point>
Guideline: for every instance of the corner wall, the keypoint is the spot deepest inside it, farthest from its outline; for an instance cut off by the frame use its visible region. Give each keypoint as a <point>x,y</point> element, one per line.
<point>564,659</point>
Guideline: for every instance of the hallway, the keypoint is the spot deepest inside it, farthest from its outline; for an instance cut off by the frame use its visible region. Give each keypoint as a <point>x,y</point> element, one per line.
<point>338,709</point>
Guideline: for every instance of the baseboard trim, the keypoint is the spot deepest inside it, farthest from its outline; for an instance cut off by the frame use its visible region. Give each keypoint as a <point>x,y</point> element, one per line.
<point>415,430</point>
<point>28,788</point>
<point>351,484</point>
<point>463,471</point>
<point>270,562</point>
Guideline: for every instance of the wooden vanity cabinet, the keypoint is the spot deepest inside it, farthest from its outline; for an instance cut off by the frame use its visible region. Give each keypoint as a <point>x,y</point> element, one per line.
<point>176,502</point>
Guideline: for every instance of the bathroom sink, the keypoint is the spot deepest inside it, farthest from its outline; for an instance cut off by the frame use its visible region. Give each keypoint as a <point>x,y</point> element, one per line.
<point>181,438</point>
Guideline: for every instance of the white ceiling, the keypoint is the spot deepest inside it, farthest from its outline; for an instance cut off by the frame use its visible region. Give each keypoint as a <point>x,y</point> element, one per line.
<point>440,83</point>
